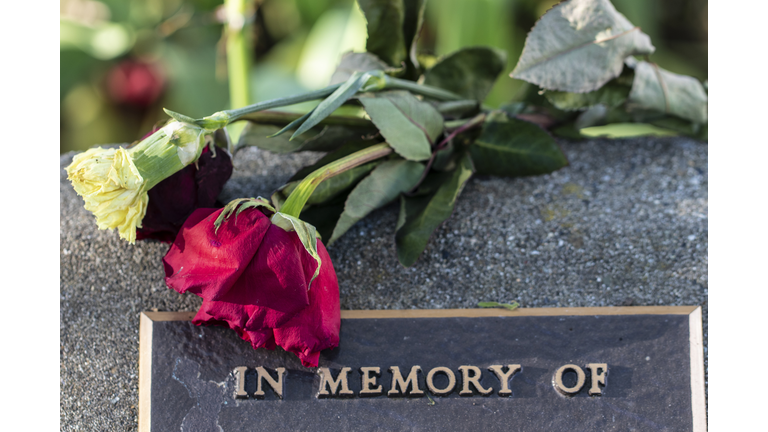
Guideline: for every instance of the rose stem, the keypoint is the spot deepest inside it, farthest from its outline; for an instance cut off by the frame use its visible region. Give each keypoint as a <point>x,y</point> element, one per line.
<point>283,118</point>
<point>296,200</point>
<point>422,89</point>
<point>280,102</point>
<point>473,122</point>
<point>238,60</point>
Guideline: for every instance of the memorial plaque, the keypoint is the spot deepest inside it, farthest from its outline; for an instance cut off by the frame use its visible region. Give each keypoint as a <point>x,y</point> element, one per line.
<point>550,369</point>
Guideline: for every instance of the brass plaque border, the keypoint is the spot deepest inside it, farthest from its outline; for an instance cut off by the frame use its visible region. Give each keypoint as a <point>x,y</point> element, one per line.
<point>695,326</point>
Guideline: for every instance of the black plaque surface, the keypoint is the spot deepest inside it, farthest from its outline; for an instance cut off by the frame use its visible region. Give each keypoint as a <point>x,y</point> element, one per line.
<point>654,381</point>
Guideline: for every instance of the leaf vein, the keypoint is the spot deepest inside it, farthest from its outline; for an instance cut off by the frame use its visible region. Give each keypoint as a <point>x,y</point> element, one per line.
<point>597,41</point>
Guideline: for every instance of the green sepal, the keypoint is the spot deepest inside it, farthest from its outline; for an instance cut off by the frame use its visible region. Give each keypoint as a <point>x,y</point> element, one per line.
<point>307,235</point>
<point>180,117</point>
<point>214,121</point>
<point>237,206</point>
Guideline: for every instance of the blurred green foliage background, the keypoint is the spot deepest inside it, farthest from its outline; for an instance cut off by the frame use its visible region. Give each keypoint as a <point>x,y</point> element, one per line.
<point>123,61</point>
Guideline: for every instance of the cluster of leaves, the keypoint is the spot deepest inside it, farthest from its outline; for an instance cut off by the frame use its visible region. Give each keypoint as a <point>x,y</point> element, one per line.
<point>579,54</point>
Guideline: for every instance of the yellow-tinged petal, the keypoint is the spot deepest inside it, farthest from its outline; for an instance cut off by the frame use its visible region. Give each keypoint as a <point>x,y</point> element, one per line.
<point>112,187</point>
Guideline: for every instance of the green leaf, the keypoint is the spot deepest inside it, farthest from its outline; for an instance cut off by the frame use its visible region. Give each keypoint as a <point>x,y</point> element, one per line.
<point>625,130</point>
<point>507,306</point>
<point>421,215</point>
<point>331,138</point>
<point>383,185</point>
<point>511,147</point>
<point>578,46</point>
<point>307,235</point>
<point>412,22</point>
<point>468,72</point>
<point>444,159</point>
<point>658,89</point>
<point>594,115</point>
<point>352,62</point>
<point>258,135</point>
<point>694,130</point>
<point>332,187</point>
<point>332,102</point>
<point>292,124</point>
<point>568,131</point>
<point>385,29</point>
<point>610,95</point>
<point>328,139</point>
<point>409,125</point>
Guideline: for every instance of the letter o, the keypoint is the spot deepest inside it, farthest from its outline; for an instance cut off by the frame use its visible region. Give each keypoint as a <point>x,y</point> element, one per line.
<point>451,381</point>
<point>557,381</point>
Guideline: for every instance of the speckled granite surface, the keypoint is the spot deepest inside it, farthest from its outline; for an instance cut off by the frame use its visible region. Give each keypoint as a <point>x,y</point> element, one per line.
<point>624,224</point>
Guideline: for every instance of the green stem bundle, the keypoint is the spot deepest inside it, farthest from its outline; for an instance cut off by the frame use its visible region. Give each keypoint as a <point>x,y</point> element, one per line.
<point>295,202</point>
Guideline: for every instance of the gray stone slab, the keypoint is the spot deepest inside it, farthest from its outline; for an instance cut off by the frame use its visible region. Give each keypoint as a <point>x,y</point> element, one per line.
<point>624,224</point>
<point>647,385</point>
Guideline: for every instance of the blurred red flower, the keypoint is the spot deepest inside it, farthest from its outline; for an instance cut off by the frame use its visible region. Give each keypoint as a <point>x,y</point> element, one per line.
<point>135,83</point>
<point>254,277</point>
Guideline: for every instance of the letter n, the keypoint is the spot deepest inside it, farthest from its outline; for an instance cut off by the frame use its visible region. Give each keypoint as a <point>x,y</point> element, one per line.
<point>276,384</point>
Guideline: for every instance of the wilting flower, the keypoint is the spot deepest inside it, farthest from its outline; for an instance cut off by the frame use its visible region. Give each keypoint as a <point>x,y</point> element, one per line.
<point>175,198</point>
<point>114,182</point>
<point>258,278</point>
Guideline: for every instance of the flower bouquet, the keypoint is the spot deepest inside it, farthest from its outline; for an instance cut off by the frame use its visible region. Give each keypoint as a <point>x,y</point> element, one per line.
<point>420,132</point>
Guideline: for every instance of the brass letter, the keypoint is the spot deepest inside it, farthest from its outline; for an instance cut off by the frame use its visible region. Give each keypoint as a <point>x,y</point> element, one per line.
<point>504,377</point>
<point>369,380</point>
<point>558,380</point>
<point>597,377</point>
<point>474,379</point>
<point>277,386</point>
<point>326,380</point>
<point>412,380</point>
<point>240,383</point>
<point>431,381</point>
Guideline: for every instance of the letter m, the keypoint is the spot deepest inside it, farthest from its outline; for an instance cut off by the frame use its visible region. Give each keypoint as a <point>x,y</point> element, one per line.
<point>398,382</point>
<point>327,382</point>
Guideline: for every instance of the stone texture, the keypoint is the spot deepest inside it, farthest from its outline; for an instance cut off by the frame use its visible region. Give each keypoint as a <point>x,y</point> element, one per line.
<point>624,224</point>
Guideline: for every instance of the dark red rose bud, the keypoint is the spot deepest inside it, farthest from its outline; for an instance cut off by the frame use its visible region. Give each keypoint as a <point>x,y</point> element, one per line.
<point>135,83</point>
<point>175,198</point>
<point>254,277</point>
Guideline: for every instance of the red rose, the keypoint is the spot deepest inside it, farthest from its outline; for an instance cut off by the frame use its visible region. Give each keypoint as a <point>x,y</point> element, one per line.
<point>172,200</point>
<point>255,278</point>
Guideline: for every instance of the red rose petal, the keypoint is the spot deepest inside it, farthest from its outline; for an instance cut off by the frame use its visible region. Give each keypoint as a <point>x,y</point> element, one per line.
<point>274,279</point>
<point>235,317</point>
<point>317,327</point>
<point>253,278</point>
<point>208,263</point>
